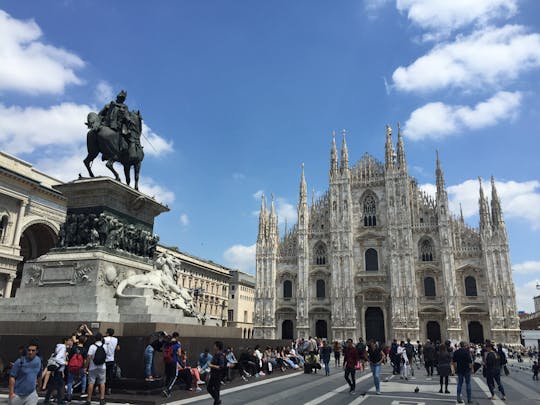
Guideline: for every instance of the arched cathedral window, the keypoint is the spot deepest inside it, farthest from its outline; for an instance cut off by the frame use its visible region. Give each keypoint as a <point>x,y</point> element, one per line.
<point>320,254</point>
<point>370,211</point>
<point>372,260</point>
<point>429,287</point>
<point>426,251</point>
<point>470,287</point>
<point>320,287</point>
<point>287,289</point>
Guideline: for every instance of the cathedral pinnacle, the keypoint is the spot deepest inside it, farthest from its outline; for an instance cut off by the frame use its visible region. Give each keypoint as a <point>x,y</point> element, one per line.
<point>344,152</point>
<point>496,211</point>
<point>303,186</point>
<point>333,156</point>
<point>262,220</point>
<point>389,149</point>
<point>402,163</point>
<point>461,214</point>
<point>484,210</point>
<point>439,174</point>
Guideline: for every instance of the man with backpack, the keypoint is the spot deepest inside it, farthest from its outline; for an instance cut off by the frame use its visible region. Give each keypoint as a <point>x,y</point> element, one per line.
<point>75,367</point>
<point>171,353</point>
<point>361,349</point>
<point>25,372</point>
<point>95,366</point>
<point>409,350</point>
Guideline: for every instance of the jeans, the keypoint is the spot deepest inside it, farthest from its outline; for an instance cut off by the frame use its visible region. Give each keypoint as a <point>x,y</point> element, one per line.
<point>171,371</point>
<point>376,371</point>
<point>493,377</point>
<point>109,366</point>
<point>213,386</point>
<point>327,366</point>
<point>352,381</point>
<point>149,368</point>
<point>467,378</point>
<point>71,378</point>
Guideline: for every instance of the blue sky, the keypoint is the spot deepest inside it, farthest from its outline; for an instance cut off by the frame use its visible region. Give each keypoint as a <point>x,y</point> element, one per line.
<point>236,95</point>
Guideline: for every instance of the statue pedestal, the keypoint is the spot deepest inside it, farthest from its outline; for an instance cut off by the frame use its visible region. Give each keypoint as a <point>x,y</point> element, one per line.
<point>107,238</point>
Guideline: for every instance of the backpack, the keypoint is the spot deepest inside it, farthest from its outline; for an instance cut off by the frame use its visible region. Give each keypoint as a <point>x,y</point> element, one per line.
<point>168,357</point>
<point>76,362</point>
<point>409,349</point>
<point>99,355</point>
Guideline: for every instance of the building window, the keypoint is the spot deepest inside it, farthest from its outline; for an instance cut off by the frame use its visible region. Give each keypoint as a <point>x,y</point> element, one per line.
<point>320,254</point>
<point>470,287</point>
<point>372,260</point>
<point>3,226</point>
<point>321,287</point>
<point>287,289</point>
<point>429,287</point>
<point>232,296</point>
<point>426,251</point>
<point>245,317</point>
<point>370,211</point>
<point>232,287</point>
<point>230,315</point>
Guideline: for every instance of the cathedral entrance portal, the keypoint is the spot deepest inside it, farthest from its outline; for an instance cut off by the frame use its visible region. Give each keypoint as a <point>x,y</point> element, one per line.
<point>433,331</point>
<point>321,329</point>
<point>287,329</point>
<point>375,324</point>
<point>476,332</point>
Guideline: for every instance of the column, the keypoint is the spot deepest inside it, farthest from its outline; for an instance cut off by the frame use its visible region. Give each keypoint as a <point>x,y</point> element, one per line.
<point>9,285</point>
<point>17,233</point>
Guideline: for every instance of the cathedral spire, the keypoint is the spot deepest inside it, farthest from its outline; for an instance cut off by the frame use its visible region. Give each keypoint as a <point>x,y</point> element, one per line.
<point>402,163</point>
<point>496,211</point>
<point>344,153</point>
<point>303,187</point>
<point>483,210</point>
<point>461,214</point>
<point>389,149</point>
<point>440,175</point>
<point>262,220</point>
<point>333,156</point>
<point>273,231</point>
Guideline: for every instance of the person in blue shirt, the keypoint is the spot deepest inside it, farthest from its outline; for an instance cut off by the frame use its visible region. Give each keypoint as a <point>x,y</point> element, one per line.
<point>204,363</point>
<point>24,375</point>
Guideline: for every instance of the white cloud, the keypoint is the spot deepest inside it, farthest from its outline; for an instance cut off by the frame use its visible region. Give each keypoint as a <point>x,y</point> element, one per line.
<point>104,92</point>
<point>154,144</point>
<point>31,66</point>
<point>238,176</point>
<point>149,186</point>
<point>241,257</point>
<point>372,7</point>
<point>525,294</point>
<point>285,211</point>
<point>530,267</point>
<point>23,130</point>
<point>443,16</point>
<point>490,56</point>
<point>257,195</point>
<point>438,120</point>
<point>519,200</point>
<point>184,219</point>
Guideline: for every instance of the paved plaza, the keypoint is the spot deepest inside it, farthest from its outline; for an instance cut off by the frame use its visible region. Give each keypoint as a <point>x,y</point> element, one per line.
<point>291,388</point>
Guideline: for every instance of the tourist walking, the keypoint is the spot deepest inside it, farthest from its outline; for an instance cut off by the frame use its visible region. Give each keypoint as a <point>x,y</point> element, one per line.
<point>24,374</point>
<point>492,367</point>
<point>75,367</point>
<point>111,346</point>
<point>326,350</point>
<point>217,367</point>
<point>337,354</point>
<point>57,365</point>
<point>443,366</point>
<point>429,358</point>
<point>376,358</point>
<point>171,351</point>
<point>403,359</point>
<point>95,366</point>
<point>350,358</point>
<point>535,368</point>
<point>463,365</point>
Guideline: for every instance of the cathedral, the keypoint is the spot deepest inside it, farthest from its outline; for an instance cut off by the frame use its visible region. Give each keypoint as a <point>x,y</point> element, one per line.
<point>376,257</point>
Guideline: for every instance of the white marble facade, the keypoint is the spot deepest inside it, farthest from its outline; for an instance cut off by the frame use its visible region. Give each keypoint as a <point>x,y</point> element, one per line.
<point>377,257</point>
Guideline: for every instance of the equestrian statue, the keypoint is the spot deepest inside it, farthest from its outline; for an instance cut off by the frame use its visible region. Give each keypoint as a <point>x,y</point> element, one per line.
<point>115,133</point>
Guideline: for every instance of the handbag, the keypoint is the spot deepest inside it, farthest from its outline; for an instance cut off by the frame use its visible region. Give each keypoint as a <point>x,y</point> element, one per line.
<point>52,365</point>
<point>506,371</point>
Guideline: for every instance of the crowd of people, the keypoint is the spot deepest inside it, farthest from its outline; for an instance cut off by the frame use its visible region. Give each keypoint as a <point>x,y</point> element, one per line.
<point>92,365</point>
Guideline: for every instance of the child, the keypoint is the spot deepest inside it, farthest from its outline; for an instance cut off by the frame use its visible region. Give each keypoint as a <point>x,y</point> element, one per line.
<point>535,368</point>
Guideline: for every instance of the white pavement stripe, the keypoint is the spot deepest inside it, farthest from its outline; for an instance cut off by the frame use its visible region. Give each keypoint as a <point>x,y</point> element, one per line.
<point>235,389</point>
<point>359,400</point>
<point>412,399</point>
<point>521,388</point>
<point>336,391</point>
<point>483,386</point>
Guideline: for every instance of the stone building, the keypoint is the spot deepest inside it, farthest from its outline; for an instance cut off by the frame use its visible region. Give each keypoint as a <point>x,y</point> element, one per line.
<point>31,212</point>
<point>377,257</point>
<point>241,302</point>
<point>208,281</point>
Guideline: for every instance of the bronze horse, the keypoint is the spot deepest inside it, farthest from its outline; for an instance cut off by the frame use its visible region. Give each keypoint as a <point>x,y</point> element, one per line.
<point>114,147</point>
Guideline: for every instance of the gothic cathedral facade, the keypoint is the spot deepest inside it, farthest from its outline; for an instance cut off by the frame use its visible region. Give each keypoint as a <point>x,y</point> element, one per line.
<point>378,258</point>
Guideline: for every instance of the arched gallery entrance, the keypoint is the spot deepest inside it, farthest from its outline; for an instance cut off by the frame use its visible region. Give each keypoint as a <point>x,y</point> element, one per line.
<point>321,329</point>
<point>476,332</point>
<point>36,240</point>
<point>287,329</point>
<point>433,331</point>
<point>375,324</point>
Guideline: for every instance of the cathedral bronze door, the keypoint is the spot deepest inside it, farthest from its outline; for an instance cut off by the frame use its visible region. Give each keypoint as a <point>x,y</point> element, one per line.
<point>476,332</point>
<point>321,329</point>
<point>433,330</point>
<point>287,329</point>
<point>375,324</point>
